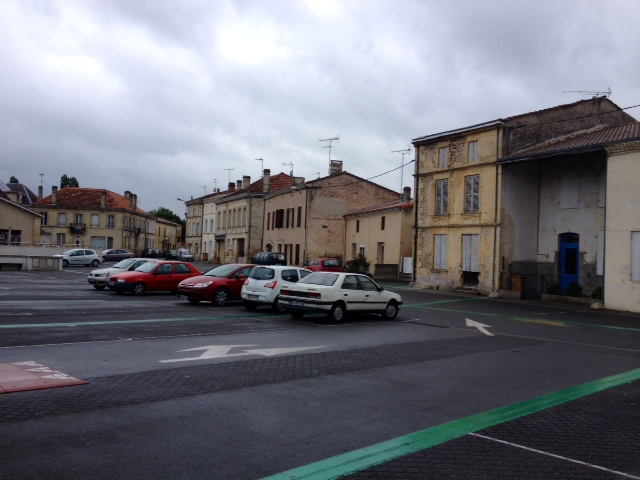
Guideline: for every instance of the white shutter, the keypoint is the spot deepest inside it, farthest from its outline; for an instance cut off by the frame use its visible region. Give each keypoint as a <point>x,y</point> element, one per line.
<point>470,249</point>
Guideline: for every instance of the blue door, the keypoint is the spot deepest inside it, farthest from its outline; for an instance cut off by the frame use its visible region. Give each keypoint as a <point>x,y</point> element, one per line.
<point>569,259</point>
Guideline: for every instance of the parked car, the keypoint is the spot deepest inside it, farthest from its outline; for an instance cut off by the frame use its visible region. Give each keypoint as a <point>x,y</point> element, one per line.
<point>269,258</point>
<point>325,264</point>
<point>264,284</point>
<point>79,256</point>
<point>154,275</point>
<point>171,255</point>
<point>184,255</point>
<point>116,254</point>
<point>218,285</point>
<point>99,278</point>
<point>338,294</point>
<point>152,253</point>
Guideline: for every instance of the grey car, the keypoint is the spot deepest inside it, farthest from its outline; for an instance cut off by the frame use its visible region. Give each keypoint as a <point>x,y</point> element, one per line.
<point>116,254</point>
<point>184,255</point>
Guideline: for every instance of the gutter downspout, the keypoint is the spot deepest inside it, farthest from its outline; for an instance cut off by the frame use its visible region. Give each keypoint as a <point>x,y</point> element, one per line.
<point>496,259</point>
<point>416,202</point>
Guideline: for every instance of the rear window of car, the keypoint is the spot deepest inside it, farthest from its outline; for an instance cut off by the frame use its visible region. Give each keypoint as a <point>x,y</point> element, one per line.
<point>321,278</point>
<point>262,273</point>
<point>332,263</point>
<point>182,268</point>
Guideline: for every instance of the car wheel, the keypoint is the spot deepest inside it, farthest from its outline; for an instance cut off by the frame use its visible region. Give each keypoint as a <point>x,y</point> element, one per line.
<point>99,287</point>
<point>337,312</point>
<point>221,297</point>
<point>390,311</point>
<point>95,263</point>
<point>297,314</point>
<point>193,301</point>
<point>65,263</point>
<point>138,288</point>
<point>250,305</point>
<point>276,307</point>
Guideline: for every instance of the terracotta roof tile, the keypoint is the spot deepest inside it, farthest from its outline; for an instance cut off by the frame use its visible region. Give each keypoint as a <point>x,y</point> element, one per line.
<point>589,140</point>
<point>88,198</point>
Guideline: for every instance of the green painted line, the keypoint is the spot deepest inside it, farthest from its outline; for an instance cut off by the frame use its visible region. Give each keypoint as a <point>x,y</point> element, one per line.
<point>367,457</point>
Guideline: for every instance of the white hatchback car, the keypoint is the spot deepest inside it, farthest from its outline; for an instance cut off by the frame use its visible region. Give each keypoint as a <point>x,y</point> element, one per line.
<point>99,278</point>
<point>338,294</point>
<point>79,256</point>
<point>264,284</point>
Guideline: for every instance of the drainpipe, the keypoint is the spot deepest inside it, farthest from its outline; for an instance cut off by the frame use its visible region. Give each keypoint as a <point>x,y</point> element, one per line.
<point>496,260</point>
<point>416,202</point>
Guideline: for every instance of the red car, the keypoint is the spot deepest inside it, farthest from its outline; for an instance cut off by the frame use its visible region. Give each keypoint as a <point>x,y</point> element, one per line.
<point>218,286</point>
<point>155,275</point>
<point>325,265</point>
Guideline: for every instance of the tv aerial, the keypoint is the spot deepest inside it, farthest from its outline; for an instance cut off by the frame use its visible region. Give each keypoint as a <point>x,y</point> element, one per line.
<point>593,94</point>
<point>330,140</point>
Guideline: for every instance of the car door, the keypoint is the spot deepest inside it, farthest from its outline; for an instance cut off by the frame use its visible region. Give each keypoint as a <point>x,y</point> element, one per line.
<point>235,285</point>
<point>181,272</point>
<point>163,278</point>
<point>352,293</point>
<point>77,257</point>
<point>374,299</point>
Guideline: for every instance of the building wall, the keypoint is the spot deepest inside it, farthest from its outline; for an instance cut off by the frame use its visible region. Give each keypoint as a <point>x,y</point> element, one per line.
<point>456,222</point>
<point>291,237</point>
<point>193,234</point>
<point>621,292</point>
<point>13,219</point>
<point>365,232</point>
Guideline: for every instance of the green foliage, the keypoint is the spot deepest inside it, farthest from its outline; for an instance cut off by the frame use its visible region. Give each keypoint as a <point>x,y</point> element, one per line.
<point>66,181</point>
<point>13,180</point>
<point>358,265</point>
<point>554,289</point>
<point>574,289</point>
<point>165,213</point>
<point>597,294</point>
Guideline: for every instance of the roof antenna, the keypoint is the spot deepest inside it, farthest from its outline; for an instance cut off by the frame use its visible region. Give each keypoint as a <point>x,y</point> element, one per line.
<point>330,140</point>
<point>592,93</point>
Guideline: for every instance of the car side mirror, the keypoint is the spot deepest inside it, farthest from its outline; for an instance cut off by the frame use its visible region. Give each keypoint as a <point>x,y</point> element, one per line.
<point>241,276</point>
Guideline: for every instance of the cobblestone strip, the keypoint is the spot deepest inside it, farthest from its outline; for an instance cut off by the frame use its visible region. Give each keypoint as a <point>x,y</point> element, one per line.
<point>138,388</point>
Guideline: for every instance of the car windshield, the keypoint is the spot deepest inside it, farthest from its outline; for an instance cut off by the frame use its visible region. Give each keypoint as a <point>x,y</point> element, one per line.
<point>262,273</point>
<point>222,271</point>
<point>320,278</point>
<point>332,262</point>
<point>147,267</point>
<point>68,252</point>
<point>124,263</point>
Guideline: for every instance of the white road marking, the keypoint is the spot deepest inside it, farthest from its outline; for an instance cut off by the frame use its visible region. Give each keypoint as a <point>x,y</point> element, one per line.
<point>222,351</point>
<point>626,475</point>
<point>480,326</point>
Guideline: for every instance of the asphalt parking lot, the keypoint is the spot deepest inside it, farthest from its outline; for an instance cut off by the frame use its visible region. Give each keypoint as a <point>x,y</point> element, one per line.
<point>546,392</point>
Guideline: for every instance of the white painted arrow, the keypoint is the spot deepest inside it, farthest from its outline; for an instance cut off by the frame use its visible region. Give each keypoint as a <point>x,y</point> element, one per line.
<point>480,326</point>
<point>222,351</point>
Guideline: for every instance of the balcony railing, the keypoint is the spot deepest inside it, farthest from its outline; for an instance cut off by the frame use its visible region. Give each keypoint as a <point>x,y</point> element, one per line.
<point>77,227</point>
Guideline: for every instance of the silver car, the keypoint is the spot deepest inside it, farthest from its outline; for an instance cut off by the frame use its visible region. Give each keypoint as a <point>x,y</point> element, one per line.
<point>99,278</point>
<point>265,282</point>
<point>184,255</point>
<point>79,256</point>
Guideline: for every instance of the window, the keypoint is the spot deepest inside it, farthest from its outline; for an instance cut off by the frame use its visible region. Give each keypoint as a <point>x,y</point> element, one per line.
<point>62,219</point>
<point>382,220</point>
<point>45,217</point>
<point>471,193</point>
<point>61,239</point>
<point>268,220</point>
<point>95,221</point>
<point>443,153</point>
<point>442,196</point>
<point>473,152</point>
<point>279,218</point>
<point>569,190</point>
<point>111,221</point>
<point>4,237</point>
<point>380,251</point>
<point>439,252</point>
<point>635,256</point>
<point>357,226</point>
<point>299,224</point>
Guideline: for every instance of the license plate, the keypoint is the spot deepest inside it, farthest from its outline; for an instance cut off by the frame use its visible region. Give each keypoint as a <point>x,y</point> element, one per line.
<point>183,297</point>
<point>252,297</point>
<point>297,304</point>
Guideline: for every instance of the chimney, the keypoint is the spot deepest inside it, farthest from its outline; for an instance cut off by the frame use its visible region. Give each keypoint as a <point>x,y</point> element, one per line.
<point>406,194</point>
<point>40,192</point>
<point>54,195</point>
<point>335,167</point>
<point>266,180</point>
<point>103,199</point>
<point>134,201</point>
<point>246,181</point>
<point>127,195</point>
<point>239,185</point>
<point>232,187</point>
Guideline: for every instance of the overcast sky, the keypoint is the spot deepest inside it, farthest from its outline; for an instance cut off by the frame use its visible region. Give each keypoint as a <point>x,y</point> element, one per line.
<point>163,98</point>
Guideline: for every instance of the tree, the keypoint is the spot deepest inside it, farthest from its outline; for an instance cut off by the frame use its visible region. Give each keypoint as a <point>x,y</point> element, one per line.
<point>68,182</point>
<point>13,180</point>
<point>167,214</point>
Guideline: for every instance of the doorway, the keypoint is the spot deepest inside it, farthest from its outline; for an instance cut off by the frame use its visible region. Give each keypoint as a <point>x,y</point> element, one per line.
<point>569,260</point>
